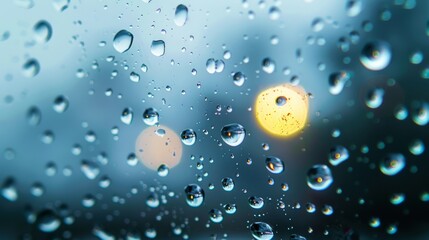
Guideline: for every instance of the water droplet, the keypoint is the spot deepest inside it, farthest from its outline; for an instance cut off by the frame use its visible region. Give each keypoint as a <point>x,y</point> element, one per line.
<point>239,78</point>
<point>134,77</point>
<point>338,154</point>
<point>60,5</point>
<point>401,112</point>
<point>310,207</point>
<point>374,99</point>
<point>194,195</point>
<point>37,189</point>
<point>61,104</point>
<point>215,215</point>
<point>123,41</point>
<point>34,116</point>
<point>421,114</point>
<point>416,57</point>
<point>376,55</point>
<point>188,137</point>
<point>327,210</point>
<point>163,170</point>
<point>274,165</point>
<point>47,221</point>
<point>89,169</point>
<point>181,15</point>
<point>392,164</point>
<point>31,67</point>
<point>88,201</point>
<point>157,48</point>
<point>150,117</point>
<point>233,134</point>
<point>127,116</point>
<point>9,190</point>
<point>281,101</point>
<point>268,65</point>
<point>152,200</point>
<point>256,202</point>
<point>261,231</point>
<point>210,66</point>
<point>150,232</point>
<point>374,222</point>
<point>42,31</point>
<point>392,229</point>
<point>230,208</point>
<point>397,198</point>
<point>337,82</point>
<point>227,184</point>
<point>219,66</point>
<point>353,7</point>
<point>274,13</point>
<point>90,137</point>
<point>319,177</point>
<point>417,147</point>
<point>317,24</point>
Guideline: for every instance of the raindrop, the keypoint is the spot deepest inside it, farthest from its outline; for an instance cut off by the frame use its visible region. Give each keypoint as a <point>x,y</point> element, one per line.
<point>157,48</point>
<point>24,3</point>
<point>274,13</point>
<point>338,154</point>
<point>163,170</point>
<point>150,117</point>
<point>132,159</point>
<point>123,41</point>
<point>127,116</point>
<point>374,99</point>
<point>327,210</point>
<point>417,147</point>
<point>274,165</point>
<point>337,82</point>
<point>210,66</point>
<point>230,208</point>
<point>89,169</point>
<point>397,198</point>
<point>310,207</point>
<point>376,55</point>
<point>215,215</point>
<point>37,189</point>
<point>194,195</point>
<point>227,184</point>
<point>219,66</point>
<point>256,202</point>
<point>31,67</point>
<point>233,134</point>
<point>296,237</point>
<point>239,78</point>
<point>134,77</point>
<point>61,5</point>
<point>392,164</point>
<point>416,57</point>
<point>281,101</point>
<point>401,112</point>
<point>353,7</point>
<point>268,65</point>
<point>61,104</point>
<point>47,221</point>
<point>34,116</point>
<point>152,200</point>
<point>421,114</point>
<point>181,15</point>
<point>261,231</point>
<point>374,222</point>
<point>317,24</point>
<point>88,201</point>
<point>319,177</point>
<point>42,31</point>
<point>9,190</point>
<point>188,137</point>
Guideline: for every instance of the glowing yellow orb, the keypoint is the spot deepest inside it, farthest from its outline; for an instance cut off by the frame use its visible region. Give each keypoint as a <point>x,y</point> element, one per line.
<point>282,110</point>
<point>158,145</point>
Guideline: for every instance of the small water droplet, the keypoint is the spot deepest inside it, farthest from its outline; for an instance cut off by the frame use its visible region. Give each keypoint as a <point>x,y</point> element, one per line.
<point>261,231</point>
<point>188,137</point>
<point>127,116</point>
<point>227,184</point>
<point>150,117</point>
<point>374,99</point>
<point>31,67</point>
<point>319,177</point>
<point>163,170</point>
<point>353,7</point>
<point>268,65</point>
<point>233,134</point>
<point>392,164</point>
<point>338,154</point>
<point>215,215</point>
<point>194,195</point>
<point>337,82</point>
<point>239,78</point>
<point>61,103</point>
<point>123,41</point>
<point>256,202</point>
<point>376,56</point>
<point>274,165</point>
<point>157,48</point>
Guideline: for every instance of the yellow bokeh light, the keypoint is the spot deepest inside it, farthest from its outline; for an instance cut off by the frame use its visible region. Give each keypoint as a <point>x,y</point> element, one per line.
<point>282,110</point>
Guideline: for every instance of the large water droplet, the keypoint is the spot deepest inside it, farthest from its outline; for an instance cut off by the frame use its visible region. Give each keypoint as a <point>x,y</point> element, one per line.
<point>188,137</point>
<point>127,116</point>
<point>134,77</point>
<point>123,41</point>
<point>338,154</point>
<point>319,177</point>
<point>239,78</point>
<point>261,231</point>
<point>163,170</point>
<point>215,215</point>
<point>376,55</point>
<point>34,116</point>
<point>61,104</point>
<point>374,99</point>
<point>47,221</point>
<point>417,147</point>
<point>256,202</point>
<point>31,68</point>
<point>227,184</point>
<point>157,48</point>
<point>268,65</point>
<point>181,15</point>
<point>230,208</point>
<point>337,81</point>
<point>152,200</point>
<point>392,164</point>
<point>353,7</point>
<point>150,117</point>
<point>233,134</point>
<point>274,165</point>
<point>421,114</point>
<point>194,195</point>
<point>42,31</point>
<point>8,190</point>
<point>89,169</point>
